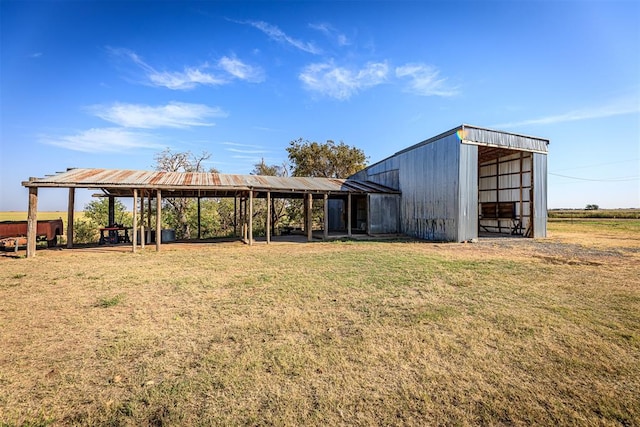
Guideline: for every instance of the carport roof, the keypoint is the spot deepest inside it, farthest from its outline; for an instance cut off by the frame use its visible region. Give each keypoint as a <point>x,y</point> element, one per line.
<point>118,182</point>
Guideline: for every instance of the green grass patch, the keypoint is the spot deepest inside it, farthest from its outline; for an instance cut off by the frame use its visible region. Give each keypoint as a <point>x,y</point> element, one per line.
<point>109,302</point>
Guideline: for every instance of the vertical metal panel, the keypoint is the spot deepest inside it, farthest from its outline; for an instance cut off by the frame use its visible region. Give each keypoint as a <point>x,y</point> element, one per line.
<point>539,195</point>
<point>428,179</point>
<point>384,211</point>
<point>468,193</point>
<point>337,215</point>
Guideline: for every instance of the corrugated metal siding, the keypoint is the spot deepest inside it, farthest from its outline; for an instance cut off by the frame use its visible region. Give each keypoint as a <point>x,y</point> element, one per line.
<point>539,195</point>
<point>468,194</point>
<point>337,208</point>
<point>503,139</point>
<point>384,213</point>
<point>390,179</point>
<point>429,185</point>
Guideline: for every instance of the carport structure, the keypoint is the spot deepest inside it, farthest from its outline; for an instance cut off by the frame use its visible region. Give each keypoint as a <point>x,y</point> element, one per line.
<point>154,185</point>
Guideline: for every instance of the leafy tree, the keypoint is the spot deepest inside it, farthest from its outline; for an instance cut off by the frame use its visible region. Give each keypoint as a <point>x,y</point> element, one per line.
<point>279,211</point>
<point>329,160</point>
<point>178,207</point>
<point>96,215</point>
<point>97,211</point>
<point>592,207</point>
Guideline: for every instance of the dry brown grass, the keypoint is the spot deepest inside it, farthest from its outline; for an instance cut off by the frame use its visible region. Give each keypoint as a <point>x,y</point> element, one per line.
<point>506,331</point>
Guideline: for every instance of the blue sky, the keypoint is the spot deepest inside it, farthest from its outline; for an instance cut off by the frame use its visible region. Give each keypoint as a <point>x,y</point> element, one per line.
<point>110,84</point>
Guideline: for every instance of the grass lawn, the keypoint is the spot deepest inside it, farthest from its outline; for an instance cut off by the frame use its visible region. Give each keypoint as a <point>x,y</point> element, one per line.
<point>505,331</point>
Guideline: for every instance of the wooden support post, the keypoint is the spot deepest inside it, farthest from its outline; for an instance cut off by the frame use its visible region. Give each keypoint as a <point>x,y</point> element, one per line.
<point>325,232</point>
<point>134,231</point>
<point>158,220</point>
<point>70,208</point>
<point>199,224</point>
<point>349,214</point>
<point>235,215</point>
<point>149,216</point>
<point>250,217</point>
<point>142,237</point>
<point>244,221</point>
<point>32,222</point>
<point>273,217</point>
<point>112,212</point>
<point>521,219</point>
<point>268,225</point>
<point>309,217</point>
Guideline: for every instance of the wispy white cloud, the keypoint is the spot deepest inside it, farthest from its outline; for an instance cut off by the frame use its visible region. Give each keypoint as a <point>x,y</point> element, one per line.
<point>614,108</point>
<point>244,151</point>
<point>275,33</point>
<point>332,33</point>
<point>340,82</point>
<point>240,70</point>
<point>425,80</point>
<point>172,115</point>
<point>187,79</point>
<point>237,144</point>
<point>103,140</point>
<point>35,55</point>
<point>190,77</point>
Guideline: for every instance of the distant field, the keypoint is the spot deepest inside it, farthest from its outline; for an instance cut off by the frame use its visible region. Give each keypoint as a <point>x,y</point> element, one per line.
<point>508,331</point>
<point>599,213</point>
<point>22,216</point>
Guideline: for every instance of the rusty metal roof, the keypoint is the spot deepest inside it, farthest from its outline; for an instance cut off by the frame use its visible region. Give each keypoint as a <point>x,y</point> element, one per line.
<point>120,182</point>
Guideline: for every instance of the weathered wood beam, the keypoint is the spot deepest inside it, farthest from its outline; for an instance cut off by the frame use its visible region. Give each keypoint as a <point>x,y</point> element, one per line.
<point>199,224</point>
<point>142,236</point>
<point>149,216</point>
<point>325,232</point>
<point>158,220</point>
<point>134,231</point>
<point>309,217</point>
<point>112,212</point>
<point>268,225</point>
<point>70,209</point>
<point>235,215</point>
<point>349,214</point>
<point>32,222</point>
<point>250,218</point>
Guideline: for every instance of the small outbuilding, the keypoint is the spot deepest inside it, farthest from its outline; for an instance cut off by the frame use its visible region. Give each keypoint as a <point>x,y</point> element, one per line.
<point>461,184</point>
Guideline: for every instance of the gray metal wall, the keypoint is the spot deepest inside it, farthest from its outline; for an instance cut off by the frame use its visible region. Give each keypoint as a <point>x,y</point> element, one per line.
<point>337,209</point>
<point>438,181</point>
<point>468,193</point>
<point>384,213</point>
<point>428,177</point>
<point>539,195</point>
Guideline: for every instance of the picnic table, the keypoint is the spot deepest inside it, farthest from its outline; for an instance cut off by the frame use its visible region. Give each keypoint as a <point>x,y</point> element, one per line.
<point>114,234</point>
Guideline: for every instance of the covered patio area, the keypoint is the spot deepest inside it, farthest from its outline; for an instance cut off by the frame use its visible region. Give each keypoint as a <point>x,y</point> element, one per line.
<point>148,188</point>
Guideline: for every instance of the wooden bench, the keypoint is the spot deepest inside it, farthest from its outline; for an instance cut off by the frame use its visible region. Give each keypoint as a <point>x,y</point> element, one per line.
<point>501,211</point>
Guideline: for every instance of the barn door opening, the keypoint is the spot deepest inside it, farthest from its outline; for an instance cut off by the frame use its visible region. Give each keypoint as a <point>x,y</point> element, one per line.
<point>505,189</point>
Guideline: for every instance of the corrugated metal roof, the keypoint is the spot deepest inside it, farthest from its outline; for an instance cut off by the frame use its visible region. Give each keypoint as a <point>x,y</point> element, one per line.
<point>118,181</point>
<point>468,134</point>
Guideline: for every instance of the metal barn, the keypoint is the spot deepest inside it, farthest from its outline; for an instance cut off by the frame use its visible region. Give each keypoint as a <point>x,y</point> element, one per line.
<point>462,184</point>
